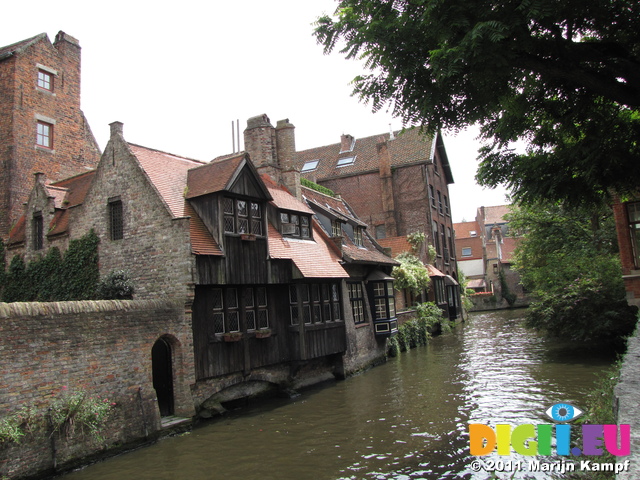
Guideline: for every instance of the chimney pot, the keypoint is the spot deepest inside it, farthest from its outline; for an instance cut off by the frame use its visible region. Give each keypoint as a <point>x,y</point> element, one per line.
<point>116,128</point>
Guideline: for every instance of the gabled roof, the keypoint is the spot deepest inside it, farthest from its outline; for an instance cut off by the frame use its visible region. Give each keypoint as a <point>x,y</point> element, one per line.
<point>369,252</point>
<point>314,259</point>
<point>168,173</point>
<point>397,245</point>
<point>407,147</point>
<point>18,47</point>
<point>75,190</point>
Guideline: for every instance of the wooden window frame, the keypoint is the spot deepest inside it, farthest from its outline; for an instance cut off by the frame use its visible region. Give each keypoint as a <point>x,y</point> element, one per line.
<point>247,219</point>
<point>239,309</point>
<point>323,307</point>
<point>301,225</point>
<point>44,134</point>
<point>633,219</point>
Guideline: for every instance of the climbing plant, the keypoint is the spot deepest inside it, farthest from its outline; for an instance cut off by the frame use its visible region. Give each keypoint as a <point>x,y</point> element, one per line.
<point>55,277</point>
<point>410,274</point>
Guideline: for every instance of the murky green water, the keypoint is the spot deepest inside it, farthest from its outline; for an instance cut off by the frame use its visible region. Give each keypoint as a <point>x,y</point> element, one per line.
<point>406,419</point>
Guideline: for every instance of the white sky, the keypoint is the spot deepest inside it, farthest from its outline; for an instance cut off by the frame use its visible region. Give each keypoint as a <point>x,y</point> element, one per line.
<point>178,73</point>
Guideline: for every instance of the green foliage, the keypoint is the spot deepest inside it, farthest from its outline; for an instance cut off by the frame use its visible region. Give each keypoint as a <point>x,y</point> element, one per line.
<point>76,411</point>
<point>26,421</point>
<point>316,187</point>
<point>17,281</point>
<point>416,239</point>
<point>10,431</point>
<point>54,277</point>
<point>116,285</point>
<point>506,292</point>
<point>568,259</point>
<point>558,76</point>
<point>417,331</point>
<point>411,274</point>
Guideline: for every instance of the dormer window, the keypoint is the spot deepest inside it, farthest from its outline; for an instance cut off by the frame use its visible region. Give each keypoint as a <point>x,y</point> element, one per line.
<point>336,228</point>
<point>357,236</point>
<point>242,217</point>
<point>295,225</point>
<point>473,233</point>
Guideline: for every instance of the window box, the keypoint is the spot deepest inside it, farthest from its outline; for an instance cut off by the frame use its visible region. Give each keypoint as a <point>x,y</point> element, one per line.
<point>232,336</point>
<point>263,333</point>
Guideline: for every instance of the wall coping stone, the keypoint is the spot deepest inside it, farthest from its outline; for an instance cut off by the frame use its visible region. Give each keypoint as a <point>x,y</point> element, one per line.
<point>33,309</point>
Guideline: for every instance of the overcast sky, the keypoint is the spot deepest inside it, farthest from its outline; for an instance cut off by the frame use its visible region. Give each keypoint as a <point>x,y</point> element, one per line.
<point>178,73</point>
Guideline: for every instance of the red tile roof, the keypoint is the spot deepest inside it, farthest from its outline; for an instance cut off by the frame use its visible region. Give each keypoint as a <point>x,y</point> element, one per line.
<point>314,259</point>
<point>407,147</point>
<point>202,242</point>
<point>168,173</point>
<point>17,233</point>
<point>214,176</point>
<point>464,229</point>
<point>282,198</point>
<point>397,245</point>
<point>368,252</point>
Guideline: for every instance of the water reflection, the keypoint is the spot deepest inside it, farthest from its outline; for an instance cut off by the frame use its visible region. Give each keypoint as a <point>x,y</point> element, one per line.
<point>404,420</point>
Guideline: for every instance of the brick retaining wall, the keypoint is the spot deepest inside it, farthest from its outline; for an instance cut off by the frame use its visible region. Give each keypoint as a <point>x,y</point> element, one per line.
<point>103,347</point>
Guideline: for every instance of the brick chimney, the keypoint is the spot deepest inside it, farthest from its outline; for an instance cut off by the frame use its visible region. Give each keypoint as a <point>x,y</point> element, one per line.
<point>386,179</point>
<point>347,142</point>
<point>260,143</point>
<point>285,152</point>
<point>70,54</point>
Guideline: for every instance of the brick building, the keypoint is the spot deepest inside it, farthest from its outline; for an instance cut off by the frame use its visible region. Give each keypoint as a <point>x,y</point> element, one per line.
<point>398,184</point>
<point>42,128</point>
<point>274,293</point>
<point>485,250</point>
<point>627,218</point>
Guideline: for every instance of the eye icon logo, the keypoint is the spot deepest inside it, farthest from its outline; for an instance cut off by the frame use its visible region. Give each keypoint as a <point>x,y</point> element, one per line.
<point>563,412</point>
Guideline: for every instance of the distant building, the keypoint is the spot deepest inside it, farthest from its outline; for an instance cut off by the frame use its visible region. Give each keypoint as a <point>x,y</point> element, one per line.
<point>484,249</point>
<point>42,128</point>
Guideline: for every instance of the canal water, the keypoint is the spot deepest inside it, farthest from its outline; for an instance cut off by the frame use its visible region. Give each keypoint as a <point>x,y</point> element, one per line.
<point>407,419</point>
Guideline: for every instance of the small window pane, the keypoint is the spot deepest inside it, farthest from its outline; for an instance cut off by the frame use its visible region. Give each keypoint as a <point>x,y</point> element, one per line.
<point>255,210</point>
<point>228,206</point>
<point>234,322</point>
<point>251,319</point>
<point>242,208</point>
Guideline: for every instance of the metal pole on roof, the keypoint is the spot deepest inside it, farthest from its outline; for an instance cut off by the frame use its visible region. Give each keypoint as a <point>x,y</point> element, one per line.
<point>238,132</point>
<point>233,138</point>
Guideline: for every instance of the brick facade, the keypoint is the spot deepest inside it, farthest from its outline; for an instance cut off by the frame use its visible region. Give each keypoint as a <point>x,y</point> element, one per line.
<point>23,104</point>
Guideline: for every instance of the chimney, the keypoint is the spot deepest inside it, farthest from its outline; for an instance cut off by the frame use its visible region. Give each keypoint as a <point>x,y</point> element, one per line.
<point>260,143</point>
<point>70,56</point>
<point>387,196</point>
<point>286,150</point>
<point>116,128</point>
<point>347,142</point>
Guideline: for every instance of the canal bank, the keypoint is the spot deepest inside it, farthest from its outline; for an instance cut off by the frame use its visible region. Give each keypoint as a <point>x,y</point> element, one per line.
<point>406,419</point>
<point>627,404</point>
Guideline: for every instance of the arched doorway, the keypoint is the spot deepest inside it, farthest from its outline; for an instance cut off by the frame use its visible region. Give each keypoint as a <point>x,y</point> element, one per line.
<point>163,376</point>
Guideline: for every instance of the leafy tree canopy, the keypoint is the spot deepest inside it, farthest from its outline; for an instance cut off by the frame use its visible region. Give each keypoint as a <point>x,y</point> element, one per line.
<point>562,76</point>
<point>568,259</point>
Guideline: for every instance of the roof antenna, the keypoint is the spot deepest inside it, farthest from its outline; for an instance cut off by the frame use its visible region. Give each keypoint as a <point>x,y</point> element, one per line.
<point>391,136</point>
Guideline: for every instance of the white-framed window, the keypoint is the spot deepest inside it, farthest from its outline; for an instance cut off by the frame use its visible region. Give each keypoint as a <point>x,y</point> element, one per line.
<point>45,80</point>
<point>357,236</point>
<point>357,302</point>
<point>343,162</point>
<point>44,134</point>
<point>384,300</point>
<point>466,251</point>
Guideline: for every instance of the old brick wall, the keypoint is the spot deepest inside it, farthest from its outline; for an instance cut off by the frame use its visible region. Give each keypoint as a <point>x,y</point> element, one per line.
<point>103,347</point>
<point>74,148</point>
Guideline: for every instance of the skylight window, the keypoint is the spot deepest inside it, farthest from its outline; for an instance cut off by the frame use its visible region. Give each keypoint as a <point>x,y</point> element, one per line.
<point>343,162</point>
<point>310,165</point>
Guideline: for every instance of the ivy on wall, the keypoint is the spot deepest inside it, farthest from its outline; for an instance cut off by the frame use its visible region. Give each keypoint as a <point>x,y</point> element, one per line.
<point>53,277</point>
